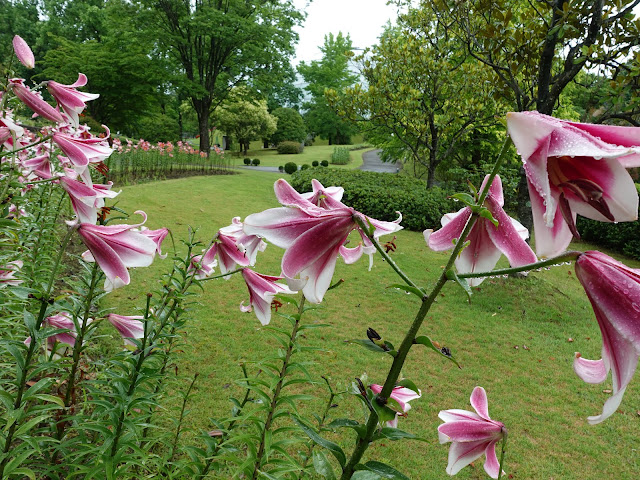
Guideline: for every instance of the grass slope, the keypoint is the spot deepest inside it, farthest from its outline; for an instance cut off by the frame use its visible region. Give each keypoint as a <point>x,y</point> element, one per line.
<point>512,339</point>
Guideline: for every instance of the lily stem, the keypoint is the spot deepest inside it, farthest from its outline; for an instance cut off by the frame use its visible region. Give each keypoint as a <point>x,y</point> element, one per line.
<point>567,256</point>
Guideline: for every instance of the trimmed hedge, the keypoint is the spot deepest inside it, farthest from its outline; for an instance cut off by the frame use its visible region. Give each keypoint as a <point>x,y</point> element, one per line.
<point>290,167</point>
<point>255,162</point>
<point>324,163</point>
<point>290,148</point>
<point>247,161</point>
<point>380,195</point>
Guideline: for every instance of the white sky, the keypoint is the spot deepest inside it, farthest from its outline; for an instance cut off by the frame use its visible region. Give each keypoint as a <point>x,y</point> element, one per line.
<point>363,20</point>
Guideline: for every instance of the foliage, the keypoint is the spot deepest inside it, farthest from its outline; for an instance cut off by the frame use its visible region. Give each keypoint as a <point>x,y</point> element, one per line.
<point>255,162</point>
<point>315,163</point>
<point>331,72</point>
<point>244,119</point>
<point>289,148</point>
<point>290,127</point>
<point>416,102</point>
<point>247,161</point>
<point>324,163</point>
<point>219,45</point>
<point>304,166</point>
<point>381,195</point>
<point>290,167</point>
<point>340,156</point>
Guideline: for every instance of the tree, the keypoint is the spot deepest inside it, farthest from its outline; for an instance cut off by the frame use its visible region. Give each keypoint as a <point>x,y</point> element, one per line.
<point>418,104</point>
<point>536,49</point>
<point>332,72</point>
<point>290,126</point>
<point>245,120</point>
<point>220,44</point>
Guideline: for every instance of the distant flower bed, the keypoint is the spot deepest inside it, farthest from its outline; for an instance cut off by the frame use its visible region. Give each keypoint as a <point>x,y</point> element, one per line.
<point>143,160</point>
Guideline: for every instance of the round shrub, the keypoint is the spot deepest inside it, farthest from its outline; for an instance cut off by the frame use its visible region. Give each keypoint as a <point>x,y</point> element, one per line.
<point>281,168</point>
<point>290,167</point>
<point>324,163</point>
<point>315,163</point>
<point>305,166</point>
<point>247,161</point>
<point>255,161</point>
<point>289,148</point>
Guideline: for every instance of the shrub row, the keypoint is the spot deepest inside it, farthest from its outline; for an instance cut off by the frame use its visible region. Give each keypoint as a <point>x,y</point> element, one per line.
<point>340,156</point>
<point>380,195</point>
<point>254,162</point>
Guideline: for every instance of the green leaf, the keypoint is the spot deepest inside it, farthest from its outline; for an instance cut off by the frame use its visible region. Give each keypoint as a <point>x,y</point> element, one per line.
<point>365,475</point>
<point>396,434</point>
<point>334,448</point>
<point>368,344</point>
<point>406,383</point>
<point>384,470</point>
<point>485,213</point>
<point>29,320</point>
<point>464,198</point>
<point>426,341</point>
<point>452,275</point>
<point>6,223</point>
<point>322,465</point>
<point>409,289</point>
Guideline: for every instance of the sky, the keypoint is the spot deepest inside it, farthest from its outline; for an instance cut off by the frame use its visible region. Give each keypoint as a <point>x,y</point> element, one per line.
<point>363,20</point>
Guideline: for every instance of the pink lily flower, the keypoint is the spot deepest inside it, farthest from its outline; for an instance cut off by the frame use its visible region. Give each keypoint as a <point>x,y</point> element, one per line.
<point>7,274</point>
<point>401,395</point>
<point>574,168</point>
<point>69,98</point>
<point>34,101</point>
<point>8,131</point>
<point>83,150</point>
<point>40,165</point>
<point>234,247</point>
<point>471,434</point>
<point>128,326</point>
<point>487,242</point>
<point>64,321</point>
<point>262,289</point>
<point>319,193</point>
<point>116,248</point>
<point>158,237</point>
<point>23,52</point>
<point>312,236</point>
<point>85,200</point>
<point>614,292</point>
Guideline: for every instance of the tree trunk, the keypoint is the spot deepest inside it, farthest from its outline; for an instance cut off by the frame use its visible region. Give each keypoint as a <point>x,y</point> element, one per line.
<point>202,110</point>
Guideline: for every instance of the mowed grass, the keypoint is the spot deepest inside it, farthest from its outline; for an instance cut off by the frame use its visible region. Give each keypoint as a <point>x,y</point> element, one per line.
<point>271,157</point>
<point>512,339</point>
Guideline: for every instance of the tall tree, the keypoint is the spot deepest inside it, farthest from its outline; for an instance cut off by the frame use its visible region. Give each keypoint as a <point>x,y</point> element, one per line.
<point>417,102</point>
<point>331,72</point>
<point>536,48</point>
<point>219,44</point>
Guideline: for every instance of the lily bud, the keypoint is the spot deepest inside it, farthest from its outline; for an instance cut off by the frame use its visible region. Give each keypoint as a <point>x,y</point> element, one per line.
<point>23,52</point>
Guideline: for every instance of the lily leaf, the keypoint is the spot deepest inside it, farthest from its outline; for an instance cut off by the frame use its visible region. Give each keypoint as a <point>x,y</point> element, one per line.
<point>322,465</point>
<point>420,293</point>
<point>368,344</point>
<point>334,448</point>
<point>452,275</point>
<point>485,213</point>
<point>397,434</point>
<point>464,198</point>
<point>408,384</point>
<point>426,341</point>
<point>384,470</point>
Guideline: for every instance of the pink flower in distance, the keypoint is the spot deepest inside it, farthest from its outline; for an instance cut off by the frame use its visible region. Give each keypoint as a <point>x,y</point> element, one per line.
<point>234,247</point>
<point>262,289</point>
<point>312,236</point>
<point>116,248</point>
<point>401,395</point>
<point>63,321</point>
<point>203,265</point>
<point>575,168</point>
<point>23,52</point>
<point>487,242</point>
<point>128,326</point>
<point>8,272</point>
<point>471,434</point>
<point>34,101</point>
<point>614,292</point>
<point>69,98</point>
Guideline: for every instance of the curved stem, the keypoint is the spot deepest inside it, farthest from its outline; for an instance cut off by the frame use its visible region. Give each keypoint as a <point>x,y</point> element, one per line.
<point>504,449</point>
<point>567,256</point>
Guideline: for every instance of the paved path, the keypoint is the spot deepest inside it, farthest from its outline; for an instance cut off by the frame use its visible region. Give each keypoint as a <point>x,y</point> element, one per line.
<point>371,163</point>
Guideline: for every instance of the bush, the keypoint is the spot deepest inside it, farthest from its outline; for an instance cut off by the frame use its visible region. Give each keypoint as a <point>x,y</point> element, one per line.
<point>289,148</point>
<point>340,156</point>
<point>308,142</point>
<point>324,163</point>
<point>255,162</point>
<point>247,161</point>
<point>305,166</point>
<point>290,167</point>
<point>281,168</point>
<point>380,195</point>
<point>315,163</point>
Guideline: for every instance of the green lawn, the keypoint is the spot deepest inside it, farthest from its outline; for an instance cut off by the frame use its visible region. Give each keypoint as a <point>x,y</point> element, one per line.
<point>512,340</point>
<point>271,158</point>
